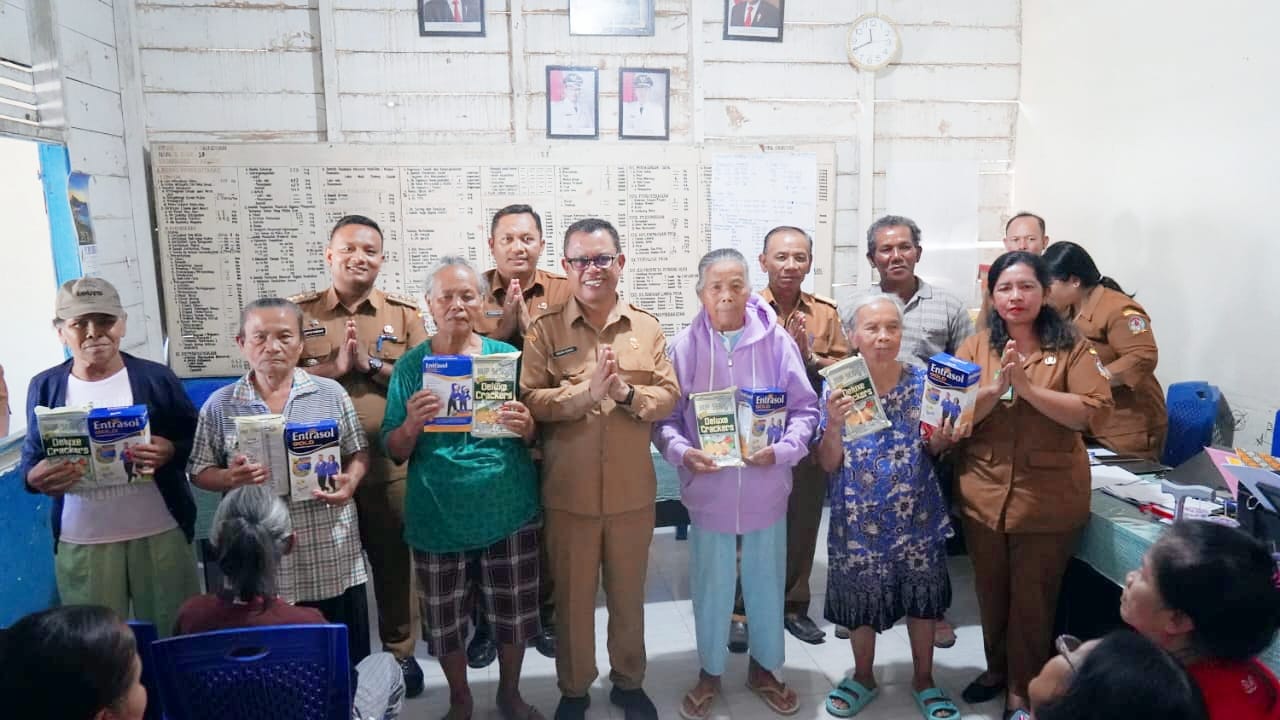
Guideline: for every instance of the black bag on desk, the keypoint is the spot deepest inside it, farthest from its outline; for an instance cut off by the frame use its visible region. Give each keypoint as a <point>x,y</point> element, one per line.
<point>1256,519</point>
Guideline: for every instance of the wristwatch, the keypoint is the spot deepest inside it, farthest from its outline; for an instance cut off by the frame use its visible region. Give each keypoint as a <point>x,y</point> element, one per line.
<point>375,366</point>
<point>631,394</point>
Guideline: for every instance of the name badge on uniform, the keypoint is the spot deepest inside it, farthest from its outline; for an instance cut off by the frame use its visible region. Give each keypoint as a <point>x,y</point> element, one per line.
<point>493,313</point>
<point>563,351</point>
<point>313,332</point>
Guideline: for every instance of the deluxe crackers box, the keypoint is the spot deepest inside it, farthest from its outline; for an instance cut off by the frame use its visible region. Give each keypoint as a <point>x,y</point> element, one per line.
<point>314,457</point>
<point>852,376</point>
<point>112,434</point>
<point>493,384</point>
<point>449,377</point>
<point>716,414</point>
<point>64,434</point>
<point>260,438</point>
<point>949,392</point>
<point>762,418</point>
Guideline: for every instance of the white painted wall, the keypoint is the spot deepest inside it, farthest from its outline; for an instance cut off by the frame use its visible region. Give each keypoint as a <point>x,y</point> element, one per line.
<point>1147,135</point>
<point>260,70</point>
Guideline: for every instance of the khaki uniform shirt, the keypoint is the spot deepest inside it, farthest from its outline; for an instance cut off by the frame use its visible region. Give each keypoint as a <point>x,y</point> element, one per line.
<point>394,319</point>
<point>596,455</point>
<point>1121,332</point>
<point>548,292</point>
<point>826,335</point>
<point>1020,472</point>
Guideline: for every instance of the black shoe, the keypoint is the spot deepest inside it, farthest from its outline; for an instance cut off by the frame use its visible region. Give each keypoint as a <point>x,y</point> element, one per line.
<point>413,681</point>
<point>842,632</point>
<point>738,637</point>
<point>482,651</point>
<point>545,642</point>
<point>573,708</point>
<point>804,629</point>
<point>976,692</point>
<point>634,703</point>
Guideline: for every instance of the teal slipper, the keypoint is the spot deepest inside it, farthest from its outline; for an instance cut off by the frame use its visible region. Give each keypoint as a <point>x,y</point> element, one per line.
<point>935,705</point>
<point>853,694</point>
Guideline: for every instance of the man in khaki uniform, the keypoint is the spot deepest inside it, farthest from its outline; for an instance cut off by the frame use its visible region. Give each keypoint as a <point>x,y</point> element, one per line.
<point>814,323</point>
<point>518,293</point>
<point>596,376</point>
<point>354,333</point>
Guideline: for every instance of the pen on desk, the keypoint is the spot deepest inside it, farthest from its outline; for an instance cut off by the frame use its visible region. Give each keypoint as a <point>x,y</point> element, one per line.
<point>1156,510</point>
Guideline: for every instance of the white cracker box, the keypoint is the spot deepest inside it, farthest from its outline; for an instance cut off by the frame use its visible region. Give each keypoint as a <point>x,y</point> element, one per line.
<point>852,376</point>
<point>260,438</point>
<point>716,414</point>
<point>64,434</point>
<point>493,383</point>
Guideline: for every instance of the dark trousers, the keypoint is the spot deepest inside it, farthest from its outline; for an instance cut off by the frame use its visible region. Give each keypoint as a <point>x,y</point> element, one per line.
<point>351,608</point>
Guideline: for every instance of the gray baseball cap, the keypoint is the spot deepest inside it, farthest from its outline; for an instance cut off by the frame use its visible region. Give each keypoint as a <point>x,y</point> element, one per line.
<point>88,296</point>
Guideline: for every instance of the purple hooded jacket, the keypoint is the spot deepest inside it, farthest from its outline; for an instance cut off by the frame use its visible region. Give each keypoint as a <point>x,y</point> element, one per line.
<point>738,500</point>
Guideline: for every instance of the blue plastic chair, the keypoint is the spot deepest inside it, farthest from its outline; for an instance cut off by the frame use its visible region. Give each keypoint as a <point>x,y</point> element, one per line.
<point>144,634</point>
<point>282,672</point>
<point>1193,408</point>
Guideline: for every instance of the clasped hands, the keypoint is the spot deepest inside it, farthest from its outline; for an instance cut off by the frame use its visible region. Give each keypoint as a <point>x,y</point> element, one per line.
<point>351,355</point>
<point>605,380</point>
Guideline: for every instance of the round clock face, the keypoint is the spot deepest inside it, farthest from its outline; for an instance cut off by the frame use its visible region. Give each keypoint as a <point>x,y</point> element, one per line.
<point>873,42</point>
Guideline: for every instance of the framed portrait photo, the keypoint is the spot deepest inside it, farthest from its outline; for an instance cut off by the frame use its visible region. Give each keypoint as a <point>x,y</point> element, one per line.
<point>644,104</point>
<point>611,17</point>
<point>572,110</point>
<point>451,17</point>
<point>753,20</point>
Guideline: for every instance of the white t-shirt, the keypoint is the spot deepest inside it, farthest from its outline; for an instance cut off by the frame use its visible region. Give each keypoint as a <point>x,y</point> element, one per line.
<point>121,512</point>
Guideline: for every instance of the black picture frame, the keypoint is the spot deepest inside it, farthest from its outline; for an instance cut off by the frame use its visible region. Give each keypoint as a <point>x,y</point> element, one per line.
<point>632,125</point>
<point>767,25</point>
<point>565,118</point>
<point>611,17</point>
<point>432,20</point>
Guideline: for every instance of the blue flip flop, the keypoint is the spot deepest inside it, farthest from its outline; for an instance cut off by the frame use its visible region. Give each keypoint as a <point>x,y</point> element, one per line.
<point>852,693</point>
<point>935,705</point>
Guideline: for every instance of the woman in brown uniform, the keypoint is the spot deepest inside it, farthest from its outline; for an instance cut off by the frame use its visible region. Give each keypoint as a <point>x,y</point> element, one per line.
<point>1121,332</point>
<point>1022,478</point>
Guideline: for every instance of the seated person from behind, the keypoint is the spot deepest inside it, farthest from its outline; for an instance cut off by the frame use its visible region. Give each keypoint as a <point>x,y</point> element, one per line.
<point>251,532</point>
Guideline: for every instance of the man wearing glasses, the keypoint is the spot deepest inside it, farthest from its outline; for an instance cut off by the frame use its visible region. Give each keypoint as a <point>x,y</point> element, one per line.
<point>596,377</point>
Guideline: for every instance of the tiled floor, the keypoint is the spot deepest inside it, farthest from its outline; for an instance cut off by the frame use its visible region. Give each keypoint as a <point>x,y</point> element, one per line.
<point>673,660</point>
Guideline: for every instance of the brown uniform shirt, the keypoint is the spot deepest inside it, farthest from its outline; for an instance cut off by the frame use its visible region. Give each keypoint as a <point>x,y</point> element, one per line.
<point>394,319</point>
<point>1020,472</point>
<point>826,334</point>
<point>548,292</point>
<point>596,457</point>
<point>1121,332</point>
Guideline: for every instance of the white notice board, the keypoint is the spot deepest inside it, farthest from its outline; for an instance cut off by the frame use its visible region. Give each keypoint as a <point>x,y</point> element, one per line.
<point>237,222</point>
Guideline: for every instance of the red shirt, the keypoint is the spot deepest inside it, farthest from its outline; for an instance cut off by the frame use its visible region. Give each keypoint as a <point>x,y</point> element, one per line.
<point>206,613</point>
<point>1235,690</point>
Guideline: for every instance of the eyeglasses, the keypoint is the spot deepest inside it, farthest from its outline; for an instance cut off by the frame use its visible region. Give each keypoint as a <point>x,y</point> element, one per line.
<point>1067,645</point>
<point>600,261</point>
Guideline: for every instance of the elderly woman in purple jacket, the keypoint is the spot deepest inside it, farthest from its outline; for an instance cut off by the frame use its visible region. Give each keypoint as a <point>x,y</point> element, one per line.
<point>735,341</point>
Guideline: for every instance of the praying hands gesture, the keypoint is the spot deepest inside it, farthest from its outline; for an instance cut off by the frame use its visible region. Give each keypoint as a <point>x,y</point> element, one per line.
<point>515,312</point>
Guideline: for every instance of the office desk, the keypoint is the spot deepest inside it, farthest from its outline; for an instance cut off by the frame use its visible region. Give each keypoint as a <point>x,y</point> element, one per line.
<point>1115,540</point>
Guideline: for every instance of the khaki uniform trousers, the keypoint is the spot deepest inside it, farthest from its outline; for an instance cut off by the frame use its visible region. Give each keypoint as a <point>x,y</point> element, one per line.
<point>584,550</point>
<point>1017,578</point>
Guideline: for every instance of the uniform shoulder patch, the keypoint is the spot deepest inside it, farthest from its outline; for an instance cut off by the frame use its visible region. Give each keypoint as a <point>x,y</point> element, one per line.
<point>305,297</point>
<point>644,312</point>
<point>400,299</point>
<point>825,300</point>
<point>555,275</point>
<point>1138,323</point>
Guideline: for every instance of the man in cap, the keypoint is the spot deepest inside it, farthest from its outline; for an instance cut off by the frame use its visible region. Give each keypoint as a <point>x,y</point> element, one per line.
<point>126,546</point>
<point>354,333</point>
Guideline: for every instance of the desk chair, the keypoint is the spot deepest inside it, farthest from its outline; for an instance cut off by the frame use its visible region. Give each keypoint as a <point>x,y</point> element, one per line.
<point>1193,408</point>
<point>144,634</point>
<point>282,672</point>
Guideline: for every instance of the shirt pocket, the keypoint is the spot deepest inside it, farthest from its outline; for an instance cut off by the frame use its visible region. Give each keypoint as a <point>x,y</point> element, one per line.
<point>636,368</point>
<point>390,350</point>
<point>316,350</point>
<point>571,369</point>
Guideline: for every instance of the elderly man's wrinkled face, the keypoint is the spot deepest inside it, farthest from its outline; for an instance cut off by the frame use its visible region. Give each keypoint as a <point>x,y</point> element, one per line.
<point>895,254</point>
<point>455,300</point>
<point>93,340</point>
<point>787,260</point>
<point>271,340</point>
<point>724,295</point>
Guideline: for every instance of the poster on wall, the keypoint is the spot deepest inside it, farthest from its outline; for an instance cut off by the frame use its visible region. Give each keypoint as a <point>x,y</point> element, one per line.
<point>611,17</point>
<point>451,17</point>
<point>644,104</point>
<point>753,20</point>
<point>571,102</point>
<point>82,218</point>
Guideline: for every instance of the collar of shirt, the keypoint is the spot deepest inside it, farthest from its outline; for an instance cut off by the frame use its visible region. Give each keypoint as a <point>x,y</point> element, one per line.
<point>245,392</point>
<point>1090,304</point>
<point>373,301</point>
<point>804,304</point>
<point>924,291</point>
<point>573,313</point>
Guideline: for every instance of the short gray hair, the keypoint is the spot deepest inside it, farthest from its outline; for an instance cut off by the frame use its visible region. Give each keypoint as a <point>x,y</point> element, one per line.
<point>448,261</point>
<point>889,221</point>
<point>720,255</point>
<point>862,301</point>
<point>251,530</point>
